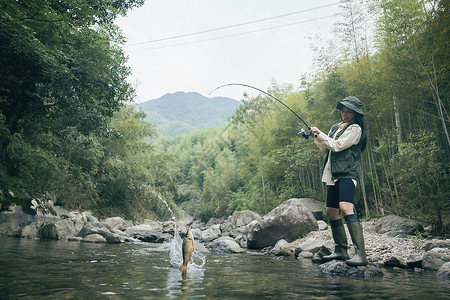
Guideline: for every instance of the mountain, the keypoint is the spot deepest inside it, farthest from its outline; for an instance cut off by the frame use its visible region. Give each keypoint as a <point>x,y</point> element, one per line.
<point>181,112</point>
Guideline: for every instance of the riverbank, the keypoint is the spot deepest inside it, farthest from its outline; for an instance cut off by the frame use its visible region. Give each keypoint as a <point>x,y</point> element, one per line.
<point>390,241</point>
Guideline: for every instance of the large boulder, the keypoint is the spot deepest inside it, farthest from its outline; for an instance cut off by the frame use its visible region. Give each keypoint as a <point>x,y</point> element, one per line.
<point>316,207</point>
<point>444,271</point>
<point>435,258</point>
<point>288,221</point>
<point>13,220</point>
<point>394,225</point>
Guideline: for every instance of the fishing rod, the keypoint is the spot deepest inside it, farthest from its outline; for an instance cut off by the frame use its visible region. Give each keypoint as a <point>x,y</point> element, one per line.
<point>302,131</point>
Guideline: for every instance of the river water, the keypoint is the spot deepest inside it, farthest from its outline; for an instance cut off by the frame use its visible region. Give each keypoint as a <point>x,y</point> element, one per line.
<point>42,269</point>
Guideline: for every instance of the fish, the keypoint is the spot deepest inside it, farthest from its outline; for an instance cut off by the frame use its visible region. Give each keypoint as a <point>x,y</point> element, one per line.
<point>187,249</point>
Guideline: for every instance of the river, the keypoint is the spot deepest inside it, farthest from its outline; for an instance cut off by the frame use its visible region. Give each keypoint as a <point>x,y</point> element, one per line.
<point>43,269</point>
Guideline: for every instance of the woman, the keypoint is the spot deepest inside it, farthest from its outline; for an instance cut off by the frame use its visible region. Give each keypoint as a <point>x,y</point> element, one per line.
<point>343,146</point>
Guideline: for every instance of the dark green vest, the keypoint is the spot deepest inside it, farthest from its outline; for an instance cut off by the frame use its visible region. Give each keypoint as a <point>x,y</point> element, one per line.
<point>344,164</point>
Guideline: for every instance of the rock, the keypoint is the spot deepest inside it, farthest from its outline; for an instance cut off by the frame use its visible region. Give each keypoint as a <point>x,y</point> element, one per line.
<point>306,254</point>
<point>211,233</point>
<point>316,207</point>
<point>142,229</point>
<point>241,240</point>
<point>30,231</point>
<point>183,222</point>
<point>340,268</point>
<point>394,262</point>
<point>395,225</point>
<point>281,248</point>
<point>102,229</point>
<point>214,221</point>
<point>154,237</point>
<point>118,223</point>
<point>444,271</point>
<point>310,245</point>
<point>48,231</point>
<point>322,225</point>
<point>437,244</point>
<point>200,248</point>
<point>94,238</point>
<point>197,233</point>
<point>225,244</point>
<point>435,258</point>
<point>13,220</point>
<point>288,221</point>
<point>414,260</point>
<point>237,220</point>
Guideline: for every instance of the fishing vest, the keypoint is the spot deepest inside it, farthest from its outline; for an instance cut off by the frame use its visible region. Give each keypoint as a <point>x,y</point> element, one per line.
<point>344,164</point>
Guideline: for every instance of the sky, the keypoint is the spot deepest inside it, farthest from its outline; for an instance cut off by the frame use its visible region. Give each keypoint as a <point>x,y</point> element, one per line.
<point>198,45</point>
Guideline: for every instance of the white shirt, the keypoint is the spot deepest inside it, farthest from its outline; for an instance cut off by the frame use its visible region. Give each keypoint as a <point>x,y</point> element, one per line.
<point>349,138</point>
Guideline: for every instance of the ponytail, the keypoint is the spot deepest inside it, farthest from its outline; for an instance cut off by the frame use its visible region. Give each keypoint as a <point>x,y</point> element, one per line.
<point>359,119</point>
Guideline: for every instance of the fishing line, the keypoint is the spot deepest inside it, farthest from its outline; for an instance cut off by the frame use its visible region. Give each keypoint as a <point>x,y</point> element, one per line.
<point>302,131</point>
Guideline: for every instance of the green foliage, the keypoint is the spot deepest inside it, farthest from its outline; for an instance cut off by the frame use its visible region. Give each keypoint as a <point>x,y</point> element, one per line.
<point>422,177</point>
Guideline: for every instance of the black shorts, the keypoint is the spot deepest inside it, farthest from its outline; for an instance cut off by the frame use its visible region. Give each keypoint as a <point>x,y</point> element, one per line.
<point>343,190</point>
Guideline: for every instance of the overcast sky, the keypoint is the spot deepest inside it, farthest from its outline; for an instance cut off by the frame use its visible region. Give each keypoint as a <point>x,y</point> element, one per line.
<point>261,41</point>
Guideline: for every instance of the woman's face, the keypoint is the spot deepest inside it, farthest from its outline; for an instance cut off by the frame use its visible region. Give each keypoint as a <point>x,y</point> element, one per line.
<point>347,114</point>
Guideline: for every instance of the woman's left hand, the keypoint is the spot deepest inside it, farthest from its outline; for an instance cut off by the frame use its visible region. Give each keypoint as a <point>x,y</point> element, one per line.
<point>315,131</point>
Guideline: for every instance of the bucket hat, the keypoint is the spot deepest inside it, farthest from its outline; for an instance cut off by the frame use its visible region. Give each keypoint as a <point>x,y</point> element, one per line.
<point>353,103</point>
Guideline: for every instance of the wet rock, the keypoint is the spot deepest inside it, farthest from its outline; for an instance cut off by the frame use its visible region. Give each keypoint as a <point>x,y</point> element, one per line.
<point>414,260</point>
<point>154,237</point>
<point>394,225</point>
<point>395,262</point>
<point>288,221</point>
<point>310,245</point>
<point>435,258</point>
<point>101,229</point>
<point>444,271</point>
<point>340,268</point>
<point>225,244</point>
<point>13,220</point>
<point>281,248</point>
<point>94,238</point>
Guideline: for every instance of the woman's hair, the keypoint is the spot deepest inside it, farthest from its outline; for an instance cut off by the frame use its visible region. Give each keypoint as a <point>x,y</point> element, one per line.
<point>359,119</point>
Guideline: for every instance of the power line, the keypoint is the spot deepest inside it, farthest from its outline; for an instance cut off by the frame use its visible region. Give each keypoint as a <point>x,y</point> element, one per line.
<point>235,34</point>
<point>235,25</point>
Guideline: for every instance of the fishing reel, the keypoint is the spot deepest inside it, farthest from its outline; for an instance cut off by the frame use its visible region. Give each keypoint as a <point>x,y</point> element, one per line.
<point>304,133</point>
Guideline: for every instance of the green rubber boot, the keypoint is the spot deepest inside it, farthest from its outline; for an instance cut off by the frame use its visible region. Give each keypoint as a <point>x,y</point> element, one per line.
<point>355,229</point>
<point>340,240</point>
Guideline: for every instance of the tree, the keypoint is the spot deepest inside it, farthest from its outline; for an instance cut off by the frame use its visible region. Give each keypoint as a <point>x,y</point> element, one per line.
<point>61,64</point>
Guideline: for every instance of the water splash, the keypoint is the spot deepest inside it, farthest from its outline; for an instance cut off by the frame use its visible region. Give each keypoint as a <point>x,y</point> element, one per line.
<point>198,259</point>
<point>164,201</point>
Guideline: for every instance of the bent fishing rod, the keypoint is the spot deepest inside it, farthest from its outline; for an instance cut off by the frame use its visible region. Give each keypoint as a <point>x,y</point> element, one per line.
<point>302,131</point>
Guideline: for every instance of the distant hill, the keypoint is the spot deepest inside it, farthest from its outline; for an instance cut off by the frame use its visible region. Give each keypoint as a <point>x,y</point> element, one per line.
<point>181,112</point>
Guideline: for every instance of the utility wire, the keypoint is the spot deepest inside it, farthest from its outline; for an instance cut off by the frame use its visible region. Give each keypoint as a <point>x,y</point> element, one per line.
<point>235,25</point>
<point>231,35</point>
